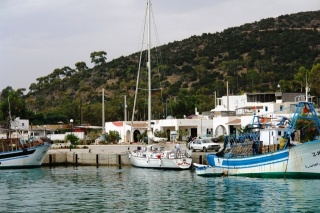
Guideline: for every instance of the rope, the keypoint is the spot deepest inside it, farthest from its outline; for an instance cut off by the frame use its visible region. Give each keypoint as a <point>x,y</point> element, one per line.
<point>286,166</point>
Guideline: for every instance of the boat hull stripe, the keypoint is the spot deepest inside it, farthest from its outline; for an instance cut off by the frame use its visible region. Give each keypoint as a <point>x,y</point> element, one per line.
<point>16,154</point>
<point>254,161</point>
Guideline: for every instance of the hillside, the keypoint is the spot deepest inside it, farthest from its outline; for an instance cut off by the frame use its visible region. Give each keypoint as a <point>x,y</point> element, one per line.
<point>254,57</point>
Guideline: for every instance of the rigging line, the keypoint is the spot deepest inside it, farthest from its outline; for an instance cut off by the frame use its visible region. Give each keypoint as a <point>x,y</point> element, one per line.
<point>158,56</point>
<point>155,28</point>
<point>142,32</point>
<point>145,106</point>
<point>139,68</point>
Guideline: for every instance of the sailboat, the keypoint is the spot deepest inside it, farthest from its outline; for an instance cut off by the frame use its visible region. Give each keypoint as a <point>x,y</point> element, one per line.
<point>19,153</point>
<point>155,156</point>
<point>269,152</point>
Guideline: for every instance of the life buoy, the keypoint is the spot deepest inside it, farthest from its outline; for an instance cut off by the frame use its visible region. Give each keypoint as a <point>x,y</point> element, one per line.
<point>262,119</point>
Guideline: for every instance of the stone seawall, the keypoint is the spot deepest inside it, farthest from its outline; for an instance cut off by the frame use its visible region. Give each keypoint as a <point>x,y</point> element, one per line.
<point>85,159</point>
<point>110,155</point>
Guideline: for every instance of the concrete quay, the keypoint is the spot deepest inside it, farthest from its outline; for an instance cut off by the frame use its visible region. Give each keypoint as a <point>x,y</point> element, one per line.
<point>101,155</point>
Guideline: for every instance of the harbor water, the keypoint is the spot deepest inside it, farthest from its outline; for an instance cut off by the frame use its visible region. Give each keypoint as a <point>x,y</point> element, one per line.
<point>129,189</point>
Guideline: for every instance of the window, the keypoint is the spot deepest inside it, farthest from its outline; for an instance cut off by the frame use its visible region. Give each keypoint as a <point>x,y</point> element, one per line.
<point>281,108</point>
<point>266,108</point>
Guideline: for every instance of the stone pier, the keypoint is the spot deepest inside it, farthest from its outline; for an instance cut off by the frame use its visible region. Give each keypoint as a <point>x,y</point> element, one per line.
<point>99,155</point>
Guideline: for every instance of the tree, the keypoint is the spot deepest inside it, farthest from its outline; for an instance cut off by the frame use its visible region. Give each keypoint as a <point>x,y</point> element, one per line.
<point>81,66</point>
<point>33,88</point>
<point>98,58</point>
<point>300,77</point>
<point>12,105</point>
<point>5,92</point>
<point>315,80</point>
<point>252,76</point>
<point>184,104</point>
<point>67,71</point>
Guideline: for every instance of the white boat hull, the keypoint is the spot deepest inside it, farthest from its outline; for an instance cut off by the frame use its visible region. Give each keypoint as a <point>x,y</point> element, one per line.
<point>29,157</point>
<point>301,161</point>
<point>160,163</point>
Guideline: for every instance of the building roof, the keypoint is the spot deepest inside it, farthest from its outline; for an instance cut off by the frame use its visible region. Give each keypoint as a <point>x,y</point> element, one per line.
<point>140,125</point>
<point>234,122</point>
<point>117,123</point>
<point>251,107</point>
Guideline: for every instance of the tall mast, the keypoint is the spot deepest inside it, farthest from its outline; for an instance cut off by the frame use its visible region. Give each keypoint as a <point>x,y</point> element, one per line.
<point>103,122</point>
<point>307,87</point>
<point>149,66</point>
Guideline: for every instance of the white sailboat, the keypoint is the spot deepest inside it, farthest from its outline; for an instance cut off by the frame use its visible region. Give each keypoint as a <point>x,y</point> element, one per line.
<point>154,156</point>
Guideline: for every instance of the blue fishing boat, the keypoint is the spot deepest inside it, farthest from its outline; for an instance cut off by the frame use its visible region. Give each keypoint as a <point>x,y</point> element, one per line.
<point>268,150</point>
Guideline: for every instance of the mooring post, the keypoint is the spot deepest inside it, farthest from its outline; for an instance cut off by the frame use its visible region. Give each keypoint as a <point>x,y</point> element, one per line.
<point>119,160</point>
<point>50,159</point>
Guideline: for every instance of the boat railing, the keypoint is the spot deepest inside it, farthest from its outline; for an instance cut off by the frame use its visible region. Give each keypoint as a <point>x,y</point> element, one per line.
<point>242,138</point>
<point>7,145</point>
<point>156,153</point>
<point>15,144</point>
<point>176,154</point>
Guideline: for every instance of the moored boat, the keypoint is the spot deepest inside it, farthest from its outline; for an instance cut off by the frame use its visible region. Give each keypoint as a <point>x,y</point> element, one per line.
<point>269,152</point>
<point>159,157</point>
<point>152,156</point>
<point>17,153</point>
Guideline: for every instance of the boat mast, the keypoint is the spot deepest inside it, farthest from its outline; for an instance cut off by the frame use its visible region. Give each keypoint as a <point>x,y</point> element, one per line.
<point>103,116</point>
<point>149,68</point>
<point>307,87</point>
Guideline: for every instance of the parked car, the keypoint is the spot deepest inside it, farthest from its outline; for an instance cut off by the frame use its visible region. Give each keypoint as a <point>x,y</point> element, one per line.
<point>203,145</point>
<point>208,136</point>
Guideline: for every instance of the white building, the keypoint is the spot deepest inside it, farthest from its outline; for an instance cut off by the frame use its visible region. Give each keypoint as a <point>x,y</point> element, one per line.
<point>235,112</point>
<point>230,114</point>
<point>130,131</point>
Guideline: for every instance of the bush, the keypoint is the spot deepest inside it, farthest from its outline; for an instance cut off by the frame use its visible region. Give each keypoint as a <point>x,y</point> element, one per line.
<point>113,137</point>
<point>74,140</point>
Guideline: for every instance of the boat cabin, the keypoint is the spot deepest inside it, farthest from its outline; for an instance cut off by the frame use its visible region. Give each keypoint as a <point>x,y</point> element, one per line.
<point>272,135</point>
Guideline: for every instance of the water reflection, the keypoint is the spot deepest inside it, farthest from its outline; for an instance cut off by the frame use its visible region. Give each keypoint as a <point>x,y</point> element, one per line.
<point>129,189</point>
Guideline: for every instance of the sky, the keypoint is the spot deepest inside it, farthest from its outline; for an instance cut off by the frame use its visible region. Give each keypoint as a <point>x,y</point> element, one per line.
<point>38,36</point>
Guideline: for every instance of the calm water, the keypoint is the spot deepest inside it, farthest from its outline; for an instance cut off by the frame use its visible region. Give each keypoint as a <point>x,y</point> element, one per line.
<point>110,189</point>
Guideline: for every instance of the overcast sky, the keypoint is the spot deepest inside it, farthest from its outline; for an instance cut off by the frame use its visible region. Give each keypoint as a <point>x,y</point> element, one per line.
<point>38,36</point>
